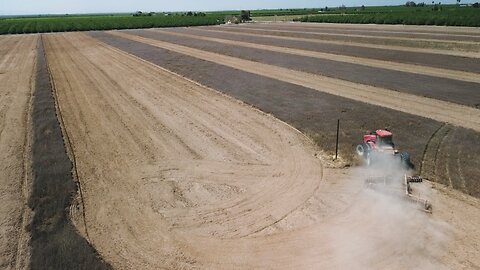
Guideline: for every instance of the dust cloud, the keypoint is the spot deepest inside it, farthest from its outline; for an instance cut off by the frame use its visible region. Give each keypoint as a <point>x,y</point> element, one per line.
<point>383,229</point>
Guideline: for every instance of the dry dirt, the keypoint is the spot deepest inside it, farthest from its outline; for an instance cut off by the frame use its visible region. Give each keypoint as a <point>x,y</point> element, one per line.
<point>17,61</point>
<point>443,111</point>
<point>431,43</point>
<point>177,175</point>
<point>437,72</point>
<point>398,46</point>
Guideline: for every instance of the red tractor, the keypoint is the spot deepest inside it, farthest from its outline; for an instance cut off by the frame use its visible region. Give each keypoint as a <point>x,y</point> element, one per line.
<point>378,144</point>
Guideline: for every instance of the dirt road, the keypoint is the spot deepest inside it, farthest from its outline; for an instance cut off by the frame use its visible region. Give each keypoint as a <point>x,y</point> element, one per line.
<point>17,61</point>
<point>443,111</point>
<point>176,175</point>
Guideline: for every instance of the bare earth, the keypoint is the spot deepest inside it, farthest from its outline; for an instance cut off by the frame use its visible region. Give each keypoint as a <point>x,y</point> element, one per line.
<point>177,175</point>
<point>426,107</point>
<point>17,60</point>
<point>438,72</point>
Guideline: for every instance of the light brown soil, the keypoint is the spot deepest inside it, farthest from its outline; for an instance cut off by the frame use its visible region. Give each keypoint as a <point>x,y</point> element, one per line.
<point>442,111</point>
<point>17,60</point>
<point>430,43</point>
<point>398,47</point>
<point>431,71</point>
<point>176,175</point>
<point>430,29</point>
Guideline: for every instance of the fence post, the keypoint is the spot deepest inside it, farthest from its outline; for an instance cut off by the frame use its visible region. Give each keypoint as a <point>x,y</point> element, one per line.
<point>336,145</point>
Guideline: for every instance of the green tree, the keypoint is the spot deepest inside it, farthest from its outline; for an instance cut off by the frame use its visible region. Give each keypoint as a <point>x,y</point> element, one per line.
<point>245,15</point>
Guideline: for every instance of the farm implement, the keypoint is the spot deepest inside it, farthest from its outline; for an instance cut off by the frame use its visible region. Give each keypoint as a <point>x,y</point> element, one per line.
<point>392,185</point>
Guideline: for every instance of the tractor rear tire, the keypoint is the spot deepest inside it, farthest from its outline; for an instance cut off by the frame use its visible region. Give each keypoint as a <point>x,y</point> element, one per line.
<point>362,150</point>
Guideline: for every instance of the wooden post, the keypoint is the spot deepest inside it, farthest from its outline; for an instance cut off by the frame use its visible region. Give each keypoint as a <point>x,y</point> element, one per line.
<point>336,145</point>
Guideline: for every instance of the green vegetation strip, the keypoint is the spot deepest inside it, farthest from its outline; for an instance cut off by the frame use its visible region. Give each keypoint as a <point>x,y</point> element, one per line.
<point>86,23</point>
<point>428,15</point>
<point>55,242</point>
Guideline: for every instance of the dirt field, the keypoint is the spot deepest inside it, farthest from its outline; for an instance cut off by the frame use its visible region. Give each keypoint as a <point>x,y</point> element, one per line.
<point>17,61</point>
<point>211,148</point>
<point>191,188</point>
<point>303,108</point>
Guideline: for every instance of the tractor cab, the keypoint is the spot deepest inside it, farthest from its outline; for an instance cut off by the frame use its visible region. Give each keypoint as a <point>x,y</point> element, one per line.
<point>384,139</point>
<point>376,144</point>
<point>379,139</point>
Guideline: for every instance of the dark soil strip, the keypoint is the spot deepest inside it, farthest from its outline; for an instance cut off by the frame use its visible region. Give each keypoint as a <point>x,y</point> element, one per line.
<point>432,59</point>
<point>465,93</point>
<point>425,59</point>
<point>414,43</point>
<point>315,113</point>
<point>401,28</point>
<point>55,243</point>
<point>446,37</point>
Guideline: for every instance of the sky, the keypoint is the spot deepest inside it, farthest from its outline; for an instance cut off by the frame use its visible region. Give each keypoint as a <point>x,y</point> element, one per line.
<point>23,7</point>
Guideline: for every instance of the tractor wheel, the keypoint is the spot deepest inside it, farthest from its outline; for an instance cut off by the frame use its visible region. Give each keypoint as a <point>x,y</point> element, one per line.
<point>405,158</point>
<point>362,150</point>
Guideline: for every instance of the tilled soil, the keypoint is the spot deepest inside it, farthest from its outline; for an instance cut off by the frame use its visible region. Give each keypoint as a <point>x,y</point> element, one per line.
<point>465,46</point>
<point>54,243</point>
<point>17,61</point>
<point>410,57</point>
<point>190,178</point>
<point>313,113</point>
<point>174,174</point>
<point>410,82</point>
<point>172,158</point>
<point>392,33</point>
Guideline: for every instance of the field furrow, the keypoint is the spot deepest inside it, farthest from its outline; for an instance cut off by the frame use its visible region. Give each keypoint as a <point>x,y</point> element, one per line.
<point>426,107</point>
<point>395,46</point>
<point>424,29</point>
<point>394,34</point>
<point>436,72</point>
<point>408,81</point>
<point>466,46</point>
<point>427,59</point>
